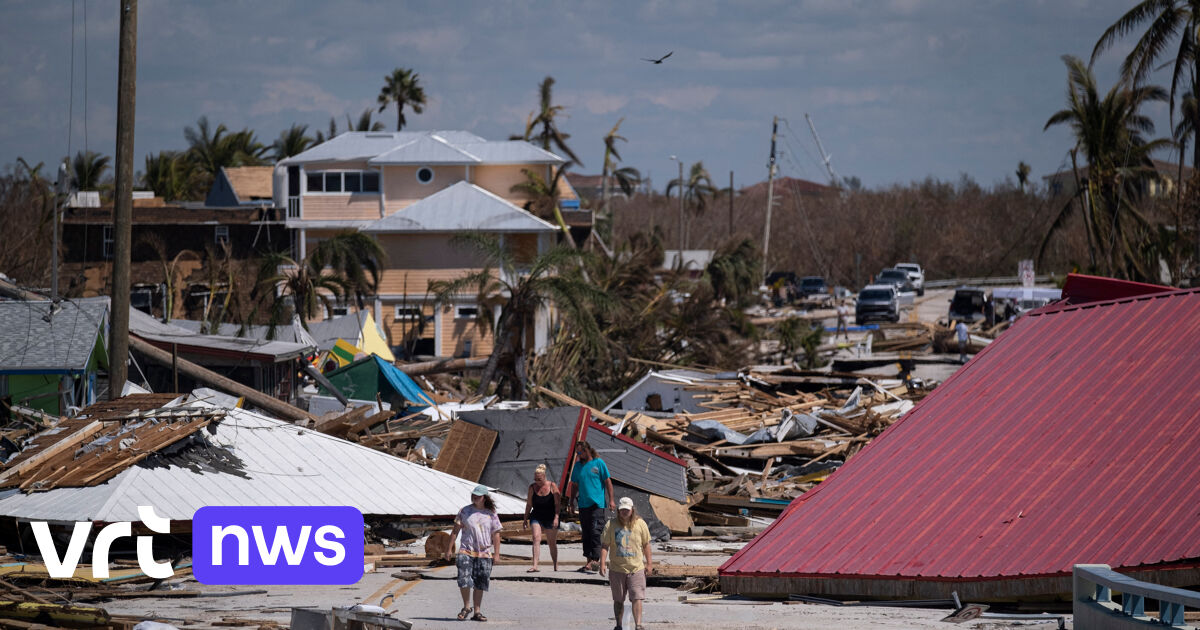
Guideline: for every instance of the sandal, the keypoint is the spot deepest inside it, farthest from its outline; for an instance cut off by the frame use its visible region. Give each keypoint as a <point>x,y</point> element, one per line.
<point>532,570</point>
<point>478,617</point>
<point>464,613</point>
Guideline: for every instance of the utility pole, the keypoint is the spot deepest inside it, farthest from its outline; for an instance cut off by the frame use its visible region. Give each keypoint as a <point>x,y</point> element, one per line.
<point>827,158</point>
<point>680,180</point>
<point>770,198</point>
<point>62,190</point>
<point>118,368</point>
<point>731,203</point>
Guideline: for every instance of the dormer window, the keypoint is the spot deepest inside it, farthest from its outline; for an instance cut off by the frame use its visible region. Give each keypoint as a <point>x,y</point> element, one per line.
<point>425,175</point>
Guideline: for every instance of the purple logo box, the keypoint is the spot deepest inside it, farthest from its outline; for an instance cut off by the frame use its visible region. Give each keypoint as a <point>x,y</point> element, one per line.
<point>277,545</point>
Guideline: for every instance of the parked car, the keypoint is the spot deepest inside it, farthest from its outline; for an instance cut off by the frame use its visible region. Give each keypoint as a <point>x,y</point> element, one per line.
<point>877,302</point>
<point>897,278</point>
<point>968,304</point>
<point>915,274</point>
<point>813,285</point>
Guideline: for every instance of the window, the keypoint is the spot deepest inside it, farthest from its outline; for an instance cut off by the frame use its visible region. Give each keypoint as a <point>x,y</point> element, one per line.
<point>425,175</point>
<point>333,182</point>
<point>407,313</point>
<point>343,182</point>
<point>221,234</point>
<point>466,312</point>
<point>370,182</point>
<point>108,241</point>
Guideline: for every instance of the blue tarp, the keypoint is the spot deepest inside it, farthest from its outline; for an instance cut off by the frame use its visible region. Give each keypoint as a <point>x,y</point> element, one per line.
<point>403,383</point>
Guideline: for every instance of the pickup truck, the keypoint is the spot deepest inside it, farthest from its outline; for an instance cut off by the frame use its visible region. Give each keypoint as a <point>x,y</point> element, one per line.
<point>916,275</point>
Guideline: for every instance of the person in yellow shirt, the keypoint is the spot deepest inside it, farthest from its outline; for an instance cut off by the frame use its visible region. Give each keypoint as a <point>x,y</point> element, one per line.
<point>625,544</point>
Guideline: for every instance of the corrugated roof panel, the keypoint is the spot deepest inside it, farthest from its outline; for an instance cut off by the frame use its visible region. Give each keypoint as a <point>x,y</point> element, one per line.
<point>269,462</point>
<point>153,330</point>
<point>32,339</point>
<point>1074,437</point>
<point>463,206</point>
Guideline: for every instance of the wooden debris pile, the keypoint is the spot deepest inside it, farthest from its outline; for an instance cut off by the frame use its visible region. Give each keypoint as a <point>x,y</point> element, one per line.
<point>100,442</point>
<point>766,437</point>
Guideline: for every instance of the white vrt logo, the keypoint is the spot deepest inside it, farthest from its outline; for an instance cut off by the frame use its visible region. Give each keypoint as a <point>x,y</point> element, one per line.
<point>65,567</point>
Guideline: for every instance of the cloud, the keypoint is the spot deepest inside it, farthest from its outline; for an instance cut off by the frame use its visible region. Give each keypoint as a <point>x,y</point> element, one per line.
<point>596,102</point>
<point>826,96</point>
<point>691,98</point>
<point>438,41</point>
<point>714,61</point>
<point>297,95</point>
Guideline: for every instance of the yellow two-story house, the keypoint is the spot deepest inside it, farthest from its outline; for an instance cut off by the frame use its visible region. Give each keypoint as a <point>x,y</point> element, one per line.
<point>414,191</point>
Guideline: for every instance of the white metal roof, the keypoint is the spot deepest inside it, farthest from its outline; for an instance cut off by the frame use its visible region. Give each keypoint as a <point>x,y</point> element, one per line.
<point>423,147</point>
<point>262,461</point>
<point>34,339</point>
<point>461,207</point>
<point>150,329</point>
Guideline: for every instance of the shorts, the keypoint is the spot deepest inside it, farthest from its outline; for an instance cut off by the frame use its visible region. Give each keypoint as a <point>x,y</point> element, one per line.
<point>631,584</point>
<point>546,523</point>
<point>473,572</point>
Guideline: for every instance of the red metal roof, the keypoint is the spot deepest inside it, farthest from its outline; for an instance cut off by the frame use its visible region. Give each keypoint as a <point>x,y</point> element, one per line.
<point>1073,438</point>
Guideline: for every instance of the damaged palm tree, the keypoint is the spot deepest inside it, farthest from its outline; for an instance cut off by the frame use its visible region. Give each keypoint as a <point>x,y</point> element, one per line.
<point>346,265</point>
<point>524,289</point>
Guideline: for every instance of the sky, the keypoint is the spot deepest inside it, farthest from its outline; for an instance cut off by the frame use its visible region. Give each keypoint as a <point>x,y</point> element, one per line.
<point>898,90</point>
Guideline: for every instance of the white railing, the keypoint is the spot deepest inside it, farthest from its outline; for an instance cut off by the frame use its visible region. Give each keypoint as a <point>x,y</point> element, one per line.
<point>1094,608</point>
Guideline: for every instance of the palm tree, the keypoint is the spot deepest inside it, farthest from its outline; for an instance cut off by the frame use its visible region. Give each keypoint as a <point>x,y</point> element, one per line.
<point>545,116</point>
<point>402,88</point>
<point>88,168</point>
<point>169,174</point>
<point>1165,20</point>
<point>552,277</point>
<point>365,122</point>
<point>733,272</point>
<point>292,141</point>
<point>627,178</point>
<point>209,150</point>
<point>1023,171</point>
<point>346,265</point>
<point>697,189</point>
<point>1109,131</point>
<point>542,198</point>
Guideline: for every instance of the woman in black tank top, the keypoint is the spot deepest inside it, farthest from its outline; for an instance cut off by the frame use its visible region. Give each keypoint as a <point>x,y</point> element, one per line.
<point>541,511</point>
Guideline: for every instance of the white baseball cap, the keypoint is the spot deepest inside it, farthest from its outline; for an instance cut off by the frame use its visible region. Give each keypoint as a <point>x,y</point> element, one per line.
<point>625,504</point>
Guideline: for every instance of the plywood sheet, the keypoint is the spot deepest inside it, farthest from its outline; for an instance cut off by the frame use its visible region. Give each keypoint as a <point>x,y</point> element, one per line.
<point>466,450</point>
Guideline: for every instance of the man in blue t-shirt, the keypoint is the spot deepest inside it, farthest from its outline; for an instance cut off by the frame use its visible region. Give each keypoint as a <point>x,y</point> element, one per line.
<point>591,489</point>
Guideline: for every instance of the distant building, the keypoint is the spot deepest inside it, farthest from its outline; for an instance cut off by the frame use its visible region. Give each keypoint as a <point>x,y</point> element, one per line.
<point>241,186</point>
<point>1063,182</point>
<point>415,191</point>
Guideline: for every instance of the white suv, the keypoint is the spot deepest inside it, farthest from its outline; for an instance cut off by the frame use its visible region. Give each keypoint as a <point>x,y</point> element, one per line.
<point>915,274</point>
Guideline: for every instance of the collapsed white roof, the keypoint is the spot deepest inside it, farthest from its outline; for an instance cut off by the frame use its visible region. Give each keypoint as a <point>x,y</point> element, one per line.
<point>256,460</point>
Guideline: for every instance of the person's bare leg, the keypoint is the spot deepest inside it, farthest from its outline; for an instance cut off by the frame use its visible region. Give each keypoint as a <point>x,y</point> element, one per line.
<point>618,610</point>
<point>552,541</point>
<point>537,543</point>
<point>466,595</point>
<point>478,601</point>
<point>637,613</point>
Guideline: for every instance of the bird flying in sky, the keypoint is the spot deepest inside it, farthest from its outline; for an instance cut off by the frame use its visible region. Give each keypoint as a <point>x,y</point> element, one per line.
<point>660,59</point>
